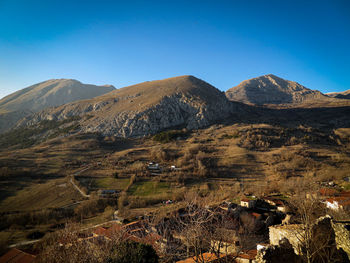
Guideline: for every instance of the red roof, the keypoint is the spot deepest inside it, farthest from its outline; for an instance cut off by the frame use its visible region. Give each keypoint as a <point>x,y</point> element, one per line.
<point>345,194</point>
<point>100,231</point>
<point>207,257</point>
<point>256,215</point>
<point>341,200</point>
<point>17,256</point>
<point>328,191</point>
<point>249,254</point>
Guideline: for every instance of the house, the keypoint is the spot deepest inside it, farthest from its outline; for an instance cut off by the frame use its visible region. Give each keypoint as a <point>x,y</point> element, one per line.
<point>117,217</point>
<point>205,257</point>
<point>134,231</point>
<point>226,241</point>
<point>227,206</point>
<point>282,208</point>
<point>278,203</point>
<point>328,191</point>
<point>338,202</point>
<point>174,168</point>
<point>247,256</point>
<point>261,246</point>
<point>257,216</point>
<point>100,231</point>
<point>245,202</point>
<point>153,166</point>
<point>15,255</point>
<point>107,193</point>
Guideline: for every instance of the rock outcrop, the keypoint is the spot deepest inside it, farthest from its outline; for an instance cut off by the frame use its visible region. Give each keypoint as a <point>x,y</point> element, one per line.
<point>46,94</point>
<point>270,89</point>
<point>146,108</point>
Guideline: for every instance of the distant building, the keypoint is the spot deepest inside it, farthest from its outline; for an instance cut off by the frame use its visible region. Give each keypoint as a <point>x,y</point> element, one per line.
<point>245,202</point>
<point>107,193</point>
<point>205,257</point>
<point>328,191</point>
<point>339,202</point>
<point>247,256</point>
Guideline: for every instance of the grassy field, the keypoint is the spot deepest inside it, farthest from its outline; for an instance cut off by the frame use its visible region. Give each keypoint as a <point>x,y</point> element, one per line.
<point>35,196</point>
<point>149,188</point>
<point>111,183</point>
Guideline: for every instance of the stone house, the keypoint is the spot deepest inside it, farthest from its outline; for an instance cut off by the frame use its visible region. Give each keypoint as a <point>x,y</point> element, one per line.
<point>245,202</point>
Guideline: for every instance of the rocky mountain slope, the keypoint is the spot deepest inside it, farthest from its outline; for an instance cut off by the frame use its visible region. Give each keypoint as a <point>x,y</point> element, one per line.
<point>146,108</point>
<point>270,89</point>
<point>46,94</point>
<point>340,95</point>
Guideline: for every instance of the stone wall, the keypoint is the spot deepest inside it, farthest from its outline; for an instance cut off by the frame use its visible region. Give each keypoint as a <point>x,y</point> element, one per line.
<point>342,235</point>
<point>293,233</point>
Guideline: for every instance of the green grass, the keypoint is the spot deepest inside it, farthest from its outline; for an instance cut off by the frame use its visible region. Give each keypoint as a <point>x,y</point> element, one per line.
<point>147,188</point>
<point>112,183</point>
<point>346,186</point>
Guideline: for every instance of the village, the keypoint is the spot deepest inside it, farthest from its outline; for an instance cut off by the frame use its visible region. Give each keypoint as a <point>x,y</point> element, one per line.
<point>256,229</point>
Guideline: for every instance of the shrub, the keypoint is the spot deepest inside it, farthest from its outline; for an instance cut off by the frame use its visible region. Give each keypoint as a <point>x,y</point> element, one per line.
<point>132,252</point>
<point>167,136</point>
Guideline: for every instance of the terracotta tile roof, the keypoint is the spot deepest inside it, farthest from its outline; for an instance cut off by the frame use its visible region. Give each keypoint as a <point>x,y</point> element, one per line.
<point>256,215</point>
<point>207,257</point>
<point>341,200</point>
<point>248,254</point>
<point>134,225</point>
<point>345,193</point>
<point>275,201</point>
<point>328,191</point>
<point>245,200</point>
<point>17,256</point>
<point>100,231</point>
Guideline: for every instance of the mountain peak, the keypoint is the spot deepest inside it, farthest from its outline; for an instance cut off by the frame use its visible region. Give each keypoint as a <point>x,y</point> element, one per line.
<point>49,93</point>
<point>271,89</point>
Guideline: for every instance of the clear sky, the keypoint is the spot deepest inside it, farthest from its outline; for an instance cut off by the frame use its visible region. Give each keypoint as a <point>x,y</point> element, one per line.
<point>221,42</point>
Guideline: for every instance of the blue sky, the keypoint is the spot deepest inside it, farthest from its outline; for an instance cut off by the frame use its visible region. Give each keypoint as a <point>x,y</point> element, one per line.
<point>221,42</point>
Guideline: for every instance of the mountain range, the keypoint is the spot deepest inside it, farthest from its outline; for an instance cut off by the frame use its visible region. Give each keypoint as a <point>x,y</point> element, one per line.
<point>43,95</point>
<point>146,108</point>
<point>340,95</point>
<point>152,106</point>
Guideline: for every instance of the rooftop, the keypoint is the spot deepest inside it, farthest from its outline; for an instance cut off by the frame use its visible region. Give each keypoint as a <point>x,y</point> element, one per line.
<point>16,256</point>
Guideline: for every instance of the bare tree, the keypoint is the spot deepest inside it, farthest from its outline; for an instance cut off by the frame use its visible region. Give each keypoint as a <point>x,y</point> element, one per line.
<point>315,234</point>
<point>69,245</point>
<point>197,229</point>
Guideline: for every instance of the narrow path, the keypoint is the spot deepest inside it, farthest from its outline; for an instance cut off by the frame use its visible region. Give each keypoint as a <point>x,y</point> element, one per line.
<point>77,187</point>
<point>24,243</point>
<point>101,224</point>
